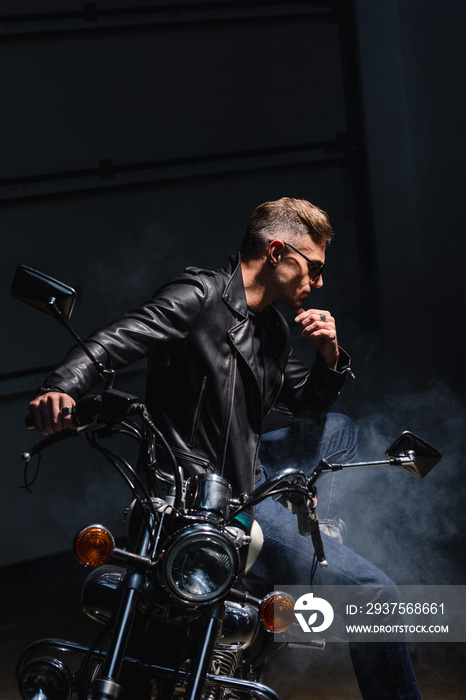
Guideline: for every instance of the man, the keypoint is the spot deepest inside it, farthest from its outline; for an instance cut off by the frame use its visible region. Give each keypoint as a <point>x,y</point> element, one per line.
<point>221,372</point>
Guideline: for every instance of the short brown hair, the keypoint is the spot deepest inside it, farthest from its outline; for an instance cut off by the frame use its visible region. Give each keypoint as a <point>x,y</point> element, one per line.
<point>293,217</point>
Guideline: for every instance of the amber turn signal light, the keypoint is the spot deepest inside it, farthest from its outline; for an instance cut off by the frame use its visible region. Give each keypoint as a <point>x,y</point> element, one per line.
<point>94,545</point>
<point>277,611</point>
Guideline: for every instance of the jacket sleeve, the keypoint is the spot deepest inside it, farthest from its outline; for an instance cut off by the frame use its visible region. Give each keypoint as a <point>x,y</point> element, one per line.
<point>304,390</point>
<point>155,327</point>
<point>323,385</point>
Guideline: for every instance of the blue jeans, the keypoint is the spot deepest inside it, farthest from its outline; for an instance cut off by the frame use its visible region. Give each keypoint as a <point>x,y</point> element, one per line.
<point>303,445</point>
<point>383,669</point>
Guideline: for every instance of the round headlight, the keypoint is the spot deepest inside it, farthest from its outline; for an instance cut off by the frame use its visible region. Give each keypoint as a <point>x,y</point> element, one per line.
<point>199,564</point>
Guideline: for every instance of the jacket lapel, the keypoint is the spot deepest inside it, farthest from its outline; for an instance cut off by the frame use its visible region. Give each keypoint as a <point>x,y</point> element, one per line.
<point>240,333</point>
<point>240,336</point>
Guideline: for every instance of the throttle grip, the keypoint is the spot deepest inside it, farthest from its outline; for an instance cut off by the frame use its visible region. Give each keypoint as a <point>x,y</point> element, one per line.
<point>29,422</point>
<point>317,543</point>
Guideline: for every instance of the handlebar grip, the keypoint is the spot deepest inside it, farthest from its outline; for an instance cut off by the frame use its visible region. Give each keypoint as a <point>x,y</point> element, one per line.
<point>304,522</point>
<point>318,544</point>
<point>29,422</point>
<point>308,525</point>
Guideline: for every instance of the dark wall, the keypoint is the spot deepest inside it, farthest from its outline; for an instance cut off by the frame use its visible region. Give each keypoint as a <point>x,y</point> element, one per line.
<point>412,74</point>
<point>413,69</point>
<point>139,142</point>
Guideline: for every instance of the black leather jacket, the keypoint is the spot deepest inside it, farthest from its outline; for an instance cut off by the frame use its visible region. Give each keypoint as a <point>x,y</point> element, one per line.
<point>202,383</point>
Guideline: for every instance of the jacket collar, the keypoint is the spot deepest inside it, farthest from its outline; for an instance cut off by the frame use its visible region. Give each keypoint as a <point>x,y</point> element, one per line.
<point>234,295</point>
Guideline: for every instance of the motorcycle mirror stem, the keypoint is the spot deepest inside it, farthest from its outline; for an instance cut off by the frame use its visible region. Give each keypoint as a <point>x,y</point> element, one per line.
<point>57,299</point>
<point>407,462</point>
<point>107,375</point>
<point>409,452</point>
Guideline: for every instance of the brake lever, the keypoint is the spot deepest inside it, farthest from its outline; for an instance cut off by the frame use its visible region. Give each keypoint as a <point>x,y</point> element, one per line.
<point>47,442</point>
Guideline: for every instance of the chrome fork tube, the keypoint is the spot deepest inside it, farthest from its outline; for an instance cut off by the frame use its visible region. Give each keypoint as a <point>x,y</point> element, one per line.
<point>202,661</point>
<point>106,687</point>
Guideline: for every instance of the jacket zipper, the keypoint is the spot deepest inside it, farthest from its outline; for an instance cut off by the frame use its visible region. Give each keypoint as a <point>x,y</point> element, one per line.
<point>280,387</point>
<point>230,415</point>
<point>197,413</point>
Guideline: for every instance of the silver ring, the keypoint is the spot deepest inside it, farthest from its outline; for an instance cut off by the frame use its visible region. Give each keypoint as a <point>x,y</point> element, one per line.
<point>323,317</point>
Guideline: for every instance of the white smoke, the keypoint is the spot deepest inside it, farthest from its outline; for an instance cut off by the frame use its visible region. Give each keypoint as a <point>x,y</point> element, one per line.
<point>412,529</point>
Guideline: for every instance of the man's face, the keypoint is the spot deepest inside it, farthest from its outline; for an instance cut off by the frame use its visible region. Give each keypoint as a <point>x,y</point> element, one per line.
<point>293,274</point>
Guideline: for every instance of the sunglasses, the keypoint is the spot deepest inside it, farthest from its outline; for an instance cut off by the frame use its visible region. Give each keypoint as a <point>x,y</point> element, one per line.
<point>315,268</point>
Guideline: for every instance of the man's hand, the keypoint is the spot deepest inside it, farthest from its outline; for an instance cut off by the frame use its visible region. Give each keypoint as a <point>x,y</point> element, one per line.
<point>52,412</point>
<point>320,327</point>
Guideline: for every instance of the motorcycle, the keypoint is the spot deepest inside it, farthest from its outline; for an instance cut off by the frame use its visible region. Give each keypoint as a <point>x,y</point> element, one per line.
<point>179,618</point>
